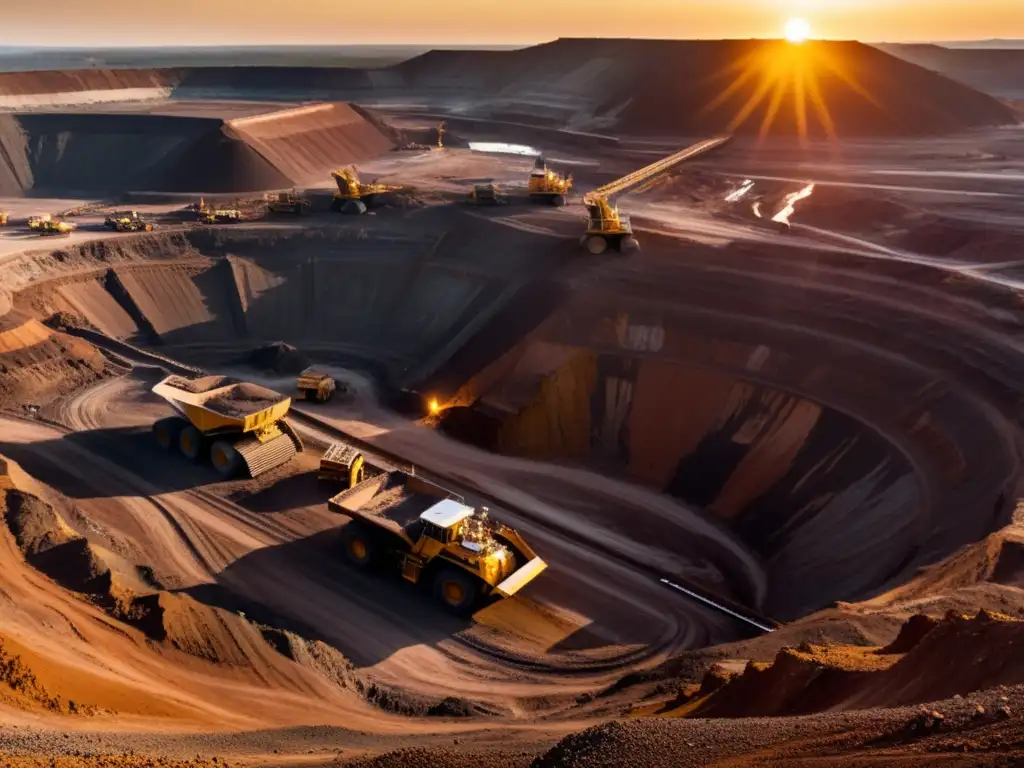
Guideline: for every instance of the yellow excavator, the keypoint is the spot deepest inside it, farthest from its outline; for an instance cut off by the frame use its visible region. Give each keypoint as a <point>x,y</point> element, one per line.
<point>353,197</point>
<point>606,227</point>
<point>548,186</point>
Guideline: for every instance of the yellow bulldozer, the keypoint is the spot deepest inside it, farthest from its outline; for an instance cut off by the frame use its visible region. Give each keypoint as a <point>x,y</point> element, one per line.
<point>238,426</point>
<point>548,186</point>
<point>127,221</point>
<point>430,536</point>
<point>47,226</point>
<point>353,196</point>
<point>210,214</point>
<point>288,203</point>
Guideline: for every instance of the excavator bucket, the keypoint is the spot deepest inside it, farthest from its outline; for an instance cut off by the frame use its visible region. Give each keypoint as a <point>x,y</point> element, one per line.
<point>521,577</point>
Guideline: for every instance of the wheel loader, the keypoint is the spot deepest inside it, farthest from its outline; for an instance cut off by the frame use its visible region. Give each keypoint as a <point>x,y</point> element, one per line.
<point>354,197</point>
<point>127,221</point>
<point>240,428</point>
<point>546,185</point>
<point>288,203</point>
<point>402,523</point>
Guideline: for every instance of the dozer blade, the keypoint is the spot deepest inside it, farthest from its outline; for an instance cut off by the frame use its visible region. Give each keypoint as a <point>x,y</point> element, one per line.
<point>521,577</point>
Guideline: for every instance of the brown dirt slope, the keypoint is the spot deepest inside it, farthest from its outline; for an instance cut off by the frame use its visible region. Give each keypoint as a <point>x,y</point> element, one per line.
<point>953,656</point>
<point>96,152</point>
<point>37,364</point>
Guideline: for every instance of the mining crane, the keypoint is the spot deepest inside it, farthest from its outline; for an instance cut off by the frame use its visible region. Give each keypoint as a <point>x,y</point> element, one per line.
<point>353,196</point>
<point>606,227</point>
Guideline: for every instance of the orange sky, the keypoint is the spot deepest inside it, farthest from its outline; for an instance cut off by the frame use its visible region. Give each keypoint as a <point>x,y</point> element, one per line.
<point>248,22</point>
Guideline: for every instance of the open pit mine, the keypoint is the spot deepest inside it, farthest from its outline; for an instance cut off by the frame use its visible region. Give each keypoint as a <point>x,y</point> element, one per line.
<point>600,403</point>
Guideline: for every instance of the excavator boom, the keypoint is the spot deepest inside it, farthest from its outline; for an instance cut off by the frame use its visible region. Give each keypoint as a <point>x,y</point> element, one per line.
<point>648,171</point>
<point>606,227</point>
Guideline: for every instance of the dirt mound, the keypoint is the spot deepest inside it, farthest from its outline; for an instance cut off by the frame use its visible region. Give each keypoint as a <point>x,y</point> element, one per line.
<point>998,559</point>
<point>95,153</point>
<point>996,71</point>
<point>444,758</point>
<point>278,357</point>
<point>928,660</point>
<point>37,364</point>
<point>51,546</point>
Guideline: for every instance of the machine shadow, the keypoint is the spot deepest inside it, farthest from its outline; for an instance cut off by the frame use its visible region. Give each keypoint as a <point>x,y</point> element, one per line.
<point>131,448</point>
<point>305,588</point>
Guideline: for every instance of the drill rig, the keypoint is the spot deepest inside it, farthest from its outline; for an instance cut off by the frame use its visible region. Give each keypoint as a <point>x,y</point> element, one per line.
<point>353,196</point>
<point>606,227</point>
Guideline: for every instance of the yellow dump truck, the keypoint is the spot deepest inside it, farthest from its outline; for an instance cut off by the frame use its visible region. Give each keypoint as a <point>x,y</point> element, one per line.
<point>239,427</point>
<point>315,386</point>
<point>430,536</point>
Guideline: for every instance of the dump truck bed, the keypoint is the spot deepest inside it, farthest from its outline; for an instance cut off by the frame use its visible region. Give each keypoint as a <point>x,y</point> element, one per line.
<point>212,402</point>
<point>392,500</point>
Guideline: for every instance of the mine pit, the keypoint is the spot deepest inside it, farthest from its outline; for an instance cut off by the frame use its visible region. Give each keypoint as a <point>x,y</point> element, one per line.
<point>795,393</point>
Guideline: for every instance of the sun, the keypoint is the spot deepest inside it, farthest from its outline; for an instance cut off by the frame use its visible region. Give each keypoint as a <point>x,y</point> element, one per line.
<point>797,30</point>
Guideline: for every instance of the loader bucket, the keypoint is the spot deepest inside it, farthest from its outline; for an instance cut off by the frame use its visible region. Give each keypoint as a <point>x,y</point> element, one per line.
<point>521,577</point>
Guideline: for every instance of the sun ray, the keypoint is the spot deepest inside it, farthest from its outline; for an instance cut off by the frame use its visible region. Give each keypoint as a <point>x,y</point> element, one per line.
<point>800,105</point>
<point>747,75</point>
<point>821,106</point>
<point>781,87</point>
<point>752,103</point>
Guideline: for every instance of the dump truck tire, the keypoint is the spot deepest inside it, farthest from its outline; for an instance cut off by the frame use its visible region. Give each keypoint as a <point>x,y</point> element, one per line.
<point>353,208</point>
<point>335,205</point>
<point>596,245</point>
<point>457,591</point>
<point>225,459</point>
<point>166,432</point>
<point>558,200</point>
<point>358,544</point>
<point>190,441</point>
<point>629,245</point>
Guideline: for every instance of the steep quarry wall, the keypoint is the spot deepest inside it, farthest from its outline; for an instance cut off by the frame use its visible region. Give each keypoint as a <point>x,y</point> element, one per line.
<point>94,153</point>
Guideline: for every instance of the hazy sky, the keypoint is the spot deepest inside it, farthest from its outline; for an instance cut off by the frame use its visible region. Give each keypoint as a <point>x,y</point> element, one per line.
<point>248,22</point>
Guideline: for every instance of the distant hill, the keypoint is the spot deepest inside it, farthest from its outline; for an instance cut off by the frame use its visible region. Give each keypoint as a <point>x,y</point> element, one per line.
<point>997,71</point>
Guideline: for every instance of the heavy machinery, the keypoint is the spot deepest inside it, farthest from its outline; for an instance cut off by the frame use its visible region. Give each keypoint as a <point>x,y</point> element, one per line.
<point>208,214</point>
<point>442,127</point>
<point>344,464</point>
<point>288,202</point>
<point>353,196</point>
<point>546,185</point>
<point>430,536</point>
<point>316,386</point>
<point>127,221</point>
<point>606,227</point>
<point>487,194</point>
<point>240,427</point>
<point>47,226</point>
<point>4,218</point>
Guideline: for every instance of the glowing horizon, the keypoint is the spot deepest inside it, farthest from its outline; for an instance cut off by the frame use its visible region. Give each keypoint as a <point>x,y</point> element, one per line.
<point>197,23</point>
